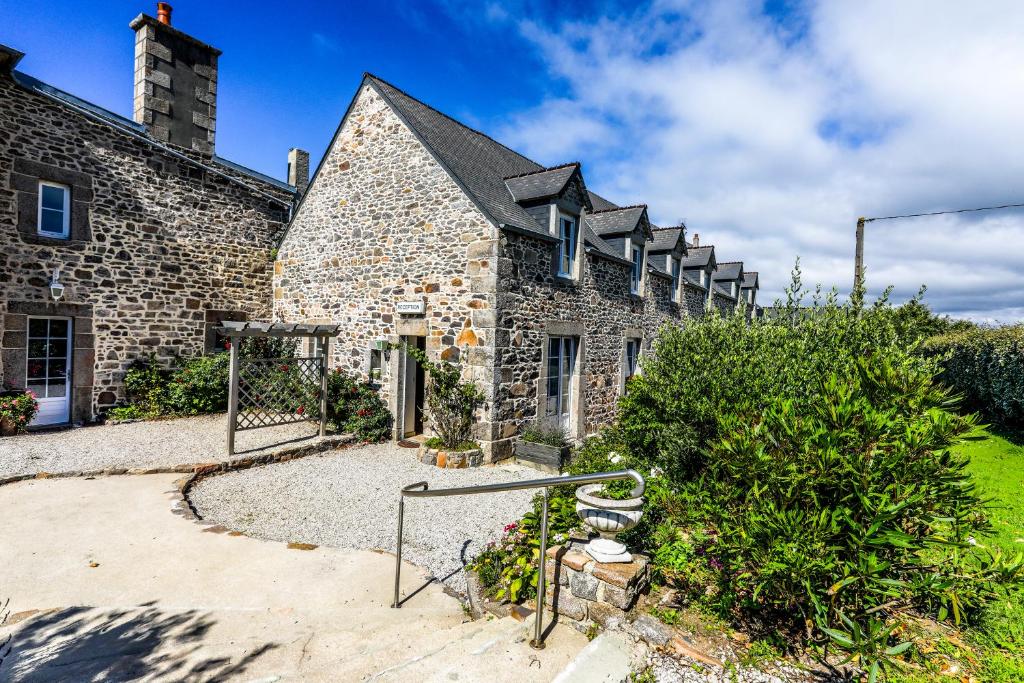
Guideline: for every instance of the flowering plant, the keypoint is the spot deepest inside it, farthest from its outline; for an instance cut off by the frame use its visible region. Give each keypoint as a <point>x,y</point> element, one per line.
<point>17,408</point>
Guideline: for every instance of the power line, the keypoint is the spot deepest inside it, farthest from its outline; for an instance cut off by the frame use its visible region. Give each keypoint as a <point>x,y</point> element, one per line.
<point>940,213</point>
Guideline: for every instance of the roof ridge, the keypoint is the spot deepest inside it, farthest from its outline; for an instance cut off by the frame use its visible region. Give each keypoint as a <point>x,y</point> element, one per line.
<point>367,74</point>
<point>619,208</point>
<point>728,263</point>
<point>542,170</point>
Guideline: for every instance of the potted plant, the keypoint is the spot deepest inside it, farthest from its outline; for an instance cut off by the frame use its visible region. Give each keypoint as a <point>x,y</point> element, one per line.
<point>543,446</point>
<point>608,513</point>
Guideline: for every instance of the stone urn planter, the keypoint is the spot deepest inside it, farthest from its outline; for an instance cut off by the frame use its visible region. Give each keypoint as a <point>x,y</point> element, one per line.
<point>608,518</point>
<point>8,427</point>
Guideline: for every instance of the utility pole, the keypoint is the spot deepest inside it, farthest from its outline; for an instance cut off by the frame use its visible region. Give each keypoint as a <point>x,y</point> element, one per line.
<point>858,259</point>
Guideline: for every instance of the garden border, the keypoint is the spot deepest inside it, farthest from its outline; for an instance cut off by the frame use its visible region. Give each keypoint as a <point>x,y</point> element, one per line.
<point>200,470</point>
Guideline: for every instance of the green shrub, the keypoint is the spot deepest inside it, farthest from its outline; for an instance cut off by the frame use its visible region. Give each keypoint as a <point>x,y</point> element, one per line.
<point>849,511</point>
<point>451,403</point>
<point>198,386</point>
<point>986,366</point>
<point>354,407</point>
<point>17,408</point>
<point>145,385</point>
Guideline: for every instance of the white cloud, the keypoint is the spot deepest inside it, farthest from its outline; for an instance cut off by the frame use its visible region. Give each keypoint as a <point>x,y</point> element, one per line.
<point>770,137</point>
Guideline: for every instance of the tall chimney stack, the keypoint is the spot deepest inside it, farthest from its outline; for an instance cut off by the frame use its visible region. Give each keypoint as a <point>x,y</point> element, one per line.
<point>298,169</point>
<point>175,83</point>
<point>696,240</point>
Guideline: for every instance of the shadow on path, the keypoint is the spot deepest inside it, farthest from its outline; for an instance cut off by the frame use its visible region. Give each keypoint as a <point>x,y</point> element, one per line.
<point>83,644</point>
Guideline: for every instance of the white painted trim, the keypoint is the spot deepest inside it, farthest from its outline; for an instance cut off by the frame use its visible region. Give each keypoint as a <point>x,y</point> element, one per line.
<point>66,211</point>
<point>47,415</point>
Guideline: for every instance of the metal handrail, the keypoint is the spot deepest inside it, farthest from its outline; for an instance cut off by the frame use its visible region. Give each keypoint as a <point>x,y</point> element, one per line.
<point>420,490</point>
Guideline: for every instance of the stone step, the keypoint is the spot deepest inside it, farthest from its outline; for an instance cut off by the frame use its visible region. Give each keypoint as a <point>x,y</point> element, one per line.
<point>607,659</point>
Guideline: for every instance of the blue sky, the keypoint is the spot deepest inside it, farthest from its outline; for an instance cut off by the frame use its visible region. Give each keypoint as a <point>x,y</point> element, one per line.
<point>768,127</point>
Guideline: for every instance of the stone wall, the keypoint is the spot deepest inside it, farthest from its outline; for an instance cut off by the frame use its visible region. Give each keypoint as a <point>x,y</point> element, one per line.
<point>384,223</point>
<point>725,304</point>
<point>598,308</point>
<point>156,245</point>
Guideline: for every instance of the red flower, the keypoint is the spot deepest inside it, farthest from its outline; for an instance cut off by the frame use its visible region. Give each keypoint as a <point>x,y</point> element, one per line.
<point>300,410</point>
<point>284,368</point>
<point>362,412</point>
<point>227,345</point>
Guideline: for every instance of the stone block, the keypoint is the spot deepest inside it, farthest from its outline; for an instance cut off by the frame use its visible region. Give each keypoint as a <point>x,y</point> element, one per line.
<point>621,574</point>
<point>605,615</point>
<point>622,598</point>
<point>566,604</point>
<point>651,630</point>
<point>583,585</point>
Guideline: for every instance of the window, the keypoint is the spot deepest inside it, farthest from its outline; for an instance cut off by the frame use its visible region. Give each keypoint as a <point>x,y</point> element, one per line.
<point>675,278</point>
<point>561,366</point>
<point>638,254</point>
<point>629,365</point>
<point>566,245</point>
<point>54,210</point>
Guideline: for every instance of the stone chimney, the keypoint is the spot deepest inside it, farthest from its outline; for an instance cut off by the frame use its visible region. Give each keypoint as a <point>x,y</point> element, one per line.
<point>696,240</point>
<point>298,169</point>
<point>175,83</point>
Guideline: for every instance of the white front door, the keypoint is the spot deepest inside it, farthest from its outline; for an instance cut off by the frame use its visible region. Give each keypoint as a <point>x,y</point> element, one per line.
<point>48,368</point>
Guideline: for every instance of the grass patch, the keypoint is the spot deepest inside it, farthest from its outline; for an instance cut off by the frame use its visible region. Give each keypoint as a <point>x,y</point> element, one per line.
<point>993,649</point>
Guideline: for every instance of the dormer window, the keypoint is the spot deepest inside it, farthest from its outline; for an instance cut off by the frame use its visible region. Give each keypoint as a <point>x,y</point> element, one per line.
<point>566,253</point>
<point>674,269</point>
<point>637,274</point>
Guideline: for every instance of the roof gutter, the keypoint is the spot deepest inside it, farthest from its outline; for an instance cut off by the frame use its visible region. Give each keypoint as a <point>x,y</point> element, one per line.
<point>153,143</point>
<point>528,233</point>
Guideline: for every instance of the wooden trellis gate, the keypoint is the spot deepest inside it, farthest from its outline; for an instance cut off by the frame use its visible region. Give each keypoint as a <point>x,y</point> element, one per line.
<point>267,392</point>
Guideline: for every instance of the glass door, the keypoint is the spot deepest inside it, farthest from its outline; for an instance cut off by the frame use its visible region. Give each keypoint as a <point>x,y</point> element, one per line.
<point>561,365</point>
<point>48,368</point>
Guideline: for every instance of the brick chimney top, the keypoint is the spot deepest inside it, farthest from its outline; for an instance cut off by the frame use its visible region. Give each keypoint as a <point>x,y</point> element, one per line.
<point>163,13</point>
<point>696,240</point>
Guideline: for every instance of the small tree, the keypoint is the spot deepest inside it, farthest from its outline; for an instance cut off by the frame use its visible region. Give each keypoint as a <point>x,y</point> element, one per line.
<point>450,401</point>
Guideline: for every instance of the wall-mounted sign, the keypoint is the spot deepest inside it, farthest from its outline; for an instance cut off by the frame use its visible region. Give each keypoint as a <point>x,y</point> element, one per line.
<point>411,307</point>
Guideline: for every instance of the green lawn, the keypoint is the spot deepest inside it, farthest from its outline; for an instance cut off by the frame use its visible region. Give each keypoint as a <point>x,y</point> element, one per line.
<point>997,462</point>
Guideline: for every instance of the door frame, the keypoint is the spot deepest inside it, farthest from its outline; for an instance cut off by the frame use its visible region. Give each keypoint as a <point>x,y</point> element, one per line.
<point>410,390</point>
<point>68,372</point>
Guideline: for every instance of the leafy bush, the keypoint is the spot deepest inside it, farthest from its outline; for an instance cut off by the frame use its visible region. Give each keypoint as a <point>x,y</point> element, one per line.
<point>198,386</point>
<point>850,511</point>
<point>451,403</point>
<point>437,443</point>
<point>145,385</point>
<point>17,408</point>
<point>986,366</point>
<point>356,408</point>
<point>546,434</point>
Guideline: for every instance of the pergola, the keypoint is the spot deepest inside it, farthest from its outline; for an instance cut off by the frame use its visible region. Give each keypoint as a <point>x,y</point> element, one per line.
<point>267,392</point>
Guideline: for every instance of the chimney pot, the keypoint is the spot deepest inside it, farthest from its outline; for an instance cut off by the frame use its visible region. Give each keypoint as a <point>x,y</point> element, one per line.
<point>163,12</point>
<point>696,240</point>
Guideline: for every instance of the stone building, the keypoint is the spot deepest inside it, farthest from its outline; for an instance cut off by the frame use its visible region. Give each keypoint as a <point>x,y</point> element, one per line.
<point>124,237</point>
<point>418,230</point>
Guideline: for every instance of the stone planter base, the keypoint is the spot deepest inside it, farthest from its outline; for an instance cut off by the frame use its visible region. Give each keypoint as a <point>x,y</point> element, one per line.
<point>450,459</point>
<point>586,592</point>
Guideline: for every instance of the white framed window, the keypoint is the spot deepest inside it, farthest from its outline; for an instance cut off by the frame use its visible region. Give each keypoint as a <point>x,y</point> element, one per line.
<point>558,393</point>
<point>54,219</point>
<point>637,275</point>
<point>630,362</point>
<point>566,245</point>
<point>674,269</point>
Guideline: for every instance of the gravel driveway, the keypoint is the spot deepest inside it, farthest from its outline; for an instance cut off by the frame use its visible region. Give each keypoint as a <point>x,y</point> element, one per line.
<point>160,443</point>
<point>349,498</point>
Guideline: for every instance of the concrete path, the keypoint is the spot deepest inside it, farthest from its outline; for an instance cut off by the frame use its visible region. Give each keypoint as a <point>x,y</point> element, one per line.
<point>106,584</point>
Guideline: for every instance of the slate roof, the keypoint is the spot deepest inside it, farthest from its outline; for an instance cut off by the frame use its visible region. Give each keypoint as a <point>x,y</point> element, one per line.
<point>693,277</point>
<point>728,270</point>
<point>750,279</point>
<point>666,239</point>
<point>127,125</point>
<point>616,221</point>
<point>541,184</point>
<point>698,257</point>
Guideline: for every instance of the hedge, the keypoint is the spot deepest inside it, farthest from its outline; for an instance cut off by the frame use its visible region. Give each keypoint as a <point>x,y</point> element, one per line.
<point>986,366</point>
